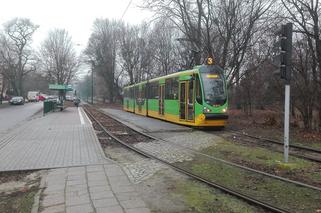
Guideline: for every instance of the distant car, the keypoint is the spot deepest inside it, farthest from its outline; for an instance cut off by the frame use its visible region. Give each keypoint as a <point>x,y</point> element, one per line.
<point>41,98</point>
<point>17,100</point>
<point>69,98</point>
<point>33,96</point>
<point>53,98</point>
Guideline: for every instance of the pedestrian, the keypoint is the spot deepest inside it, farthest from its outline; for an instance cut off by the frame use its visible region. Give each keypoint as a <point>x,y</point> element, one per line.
<point>76,102</point>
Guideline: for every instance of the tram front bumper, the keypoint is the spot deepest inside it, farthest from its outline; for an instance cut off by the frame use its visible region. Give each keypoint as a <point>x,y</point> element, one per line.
<point>216,116</point>
<point>211,120</point>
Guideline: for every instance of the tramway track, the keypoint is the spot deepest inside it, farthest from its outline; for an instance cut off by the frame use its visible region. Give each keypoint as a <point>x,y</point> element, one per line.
<point>210,183</point>
<point>212,157</point>
<point>296,150</point>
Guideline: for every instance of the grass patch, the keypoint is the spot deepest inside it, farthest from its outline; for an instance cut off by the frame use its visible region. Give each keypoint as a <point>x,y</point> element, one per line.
<point>259,155</point>
<point>316,176</point>
<point>18,202</point>
<point>202,199</point>
<point>283,195</point>
<point>295,137</point>
<point>266,160</point>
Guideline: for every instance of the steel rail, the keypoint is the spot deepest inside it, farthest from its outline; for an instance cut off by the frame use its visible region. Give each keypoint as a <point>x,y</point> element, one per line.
<point>208,182</point>
<point>277,142</point>
<point>281,144</point>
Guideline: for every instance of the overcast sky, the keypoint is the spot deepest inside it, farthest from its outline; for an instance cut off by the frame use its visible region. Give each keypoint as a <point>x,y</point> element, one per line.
<point>76,16</point>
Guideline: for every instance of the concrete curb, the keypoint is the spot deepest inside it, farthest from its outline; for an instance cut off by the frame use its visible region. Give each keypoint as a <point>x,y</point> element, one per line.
<point>36,202</point>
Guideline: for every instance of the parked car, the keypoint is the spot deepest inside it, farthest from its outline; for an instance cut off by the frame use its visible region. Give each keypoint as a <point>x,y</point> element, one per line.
<point>17,100</point>
<point>41,98</point>
<point>33,96</point>
<point>69,98</point>
<point>53,98</point>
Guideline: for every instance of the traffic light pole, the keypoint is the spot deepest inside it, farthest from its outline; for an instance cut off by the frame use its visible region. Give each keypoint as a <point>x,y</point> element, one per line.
<point>285,70</point>
<point>286,122</point>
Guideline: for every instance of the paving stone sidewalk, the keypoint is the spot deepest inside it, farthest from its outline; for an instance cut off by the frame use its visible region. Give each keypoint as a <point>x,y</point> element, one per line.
<point>100,188</point>
<point>83,179</point>
<point>55,140</point>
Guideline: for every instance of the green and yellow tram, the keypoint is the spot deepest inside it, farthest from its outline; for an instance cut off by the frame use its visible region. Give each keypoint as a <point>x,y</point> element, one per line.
<point>196,97</point>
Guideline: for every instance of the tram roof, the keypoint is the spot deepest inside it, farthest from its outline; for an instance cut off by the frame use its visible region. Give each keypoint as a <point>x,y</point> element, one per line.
<point>172,75</point>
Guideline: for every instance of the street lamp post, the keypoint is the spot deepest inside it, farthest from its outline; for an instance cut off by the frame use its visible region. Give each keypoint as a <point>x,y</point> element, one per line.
<point>92,83</point>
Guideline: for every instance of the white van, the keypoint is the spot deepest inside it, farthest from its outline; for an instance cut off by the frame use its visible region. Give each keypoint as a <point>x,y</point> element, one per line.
<point>33,96</point>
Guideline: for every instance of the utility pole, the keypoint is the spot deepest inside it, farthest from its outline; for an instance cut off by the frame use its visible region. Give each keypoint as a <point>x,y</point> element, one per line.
<point>285,71</point>
<point>92,85</point>
<point>92,80</point>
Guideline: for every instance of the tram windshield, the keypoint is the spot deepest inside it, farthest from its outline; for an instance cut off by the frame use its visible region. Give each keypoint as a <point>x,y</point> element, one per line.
<point>213,85</point>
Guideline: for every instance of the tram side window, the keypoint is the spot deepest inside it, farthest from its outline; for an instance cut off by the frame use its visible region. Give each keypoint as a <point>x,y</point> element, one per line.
<point>171,88</point>
<point>168,87</point>
<point>131,92</point>
<point>175,88</point>
<point>136,92</point>
<point>153,90</point>
<point>198,90</point>
<point>143,91</point>
<point>125,93</point>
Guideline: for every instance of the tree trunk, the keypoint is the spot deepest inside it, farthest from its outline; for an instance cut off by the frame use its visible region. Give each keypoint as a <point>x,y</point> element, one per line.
<point>20,86</point>
<point>307,117</point>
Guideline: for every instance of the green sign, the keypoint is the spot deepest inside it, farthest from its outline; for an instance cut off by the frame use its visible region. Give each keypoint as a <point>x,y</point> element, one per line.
<point>60,87</point>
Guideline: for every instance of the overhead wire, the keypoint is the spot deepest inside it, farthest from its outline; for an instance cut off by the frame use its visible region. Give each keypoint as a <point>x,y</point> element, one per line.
<point>130,2</point>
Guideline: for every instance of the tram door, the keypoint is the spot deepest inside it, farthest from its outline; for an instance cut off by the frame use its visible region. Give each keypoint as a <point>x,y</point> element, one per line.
<point>186,100</point>
<point>139,100</point>
<point>190,100</point>
<point>161,99</point>
<point>182,100</point>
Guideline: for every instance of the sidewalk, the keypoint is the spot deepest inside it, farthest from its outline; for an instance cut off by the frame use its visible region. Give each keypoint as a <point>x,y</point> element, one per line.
<point>79,177</point>
<point>55,140</point>
<point>101,188</point>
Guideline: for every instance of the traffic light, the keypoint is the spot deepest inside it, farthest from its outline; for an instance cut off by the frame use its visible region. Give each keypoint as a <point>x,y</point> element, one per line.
<point>286,52</point>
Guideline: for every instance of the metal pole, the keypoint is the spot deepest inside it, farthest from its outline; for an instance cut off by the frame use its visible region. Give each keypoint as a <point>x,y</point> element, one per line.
<point>92,85</point>
<point>286,122</point>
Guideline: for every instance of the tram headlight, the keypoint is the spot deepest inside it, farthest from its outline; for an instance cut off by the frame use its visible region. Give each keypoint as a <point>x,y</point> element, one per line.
<point>206,110</point>
<point>224,110</point>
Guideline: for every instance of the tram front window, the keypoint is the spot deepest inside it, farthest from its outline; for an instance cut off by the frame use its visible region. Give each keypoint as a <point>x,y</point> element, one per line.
<point>214,86</point>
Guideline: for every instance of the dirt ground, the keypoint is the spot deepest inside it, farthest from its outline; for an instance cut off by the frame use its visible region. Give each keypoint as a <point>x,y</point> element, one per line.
<point>17,191</point>
<point>269,124</point>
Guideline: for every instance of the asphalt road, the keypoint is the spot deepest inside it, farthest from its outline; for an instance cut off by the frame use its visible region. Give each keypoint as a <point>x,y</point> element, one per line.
<point>12,116</point>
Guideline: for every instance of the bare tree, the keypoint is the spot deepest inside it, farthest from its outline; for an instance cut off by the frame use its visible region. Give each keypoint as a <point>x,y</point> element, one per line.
<point>305,15</point>
<point>223,29</point>
<point>58,57</point>
<point>129,51</point>
<point>186,16</point>
<point>162,41</point>
<point>101,52</point>
<point>3,85</point>
<point>16,54</point>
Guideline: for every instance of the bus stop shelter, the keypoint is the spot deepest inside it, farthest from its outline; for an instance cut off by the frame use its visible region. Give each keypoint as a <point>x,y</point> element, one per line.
<point>50,105</point>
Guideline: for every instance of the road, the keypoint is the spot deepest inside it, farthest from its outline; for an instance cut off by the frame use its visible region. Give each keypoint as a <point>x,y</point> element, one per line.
<point>11,116</point>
